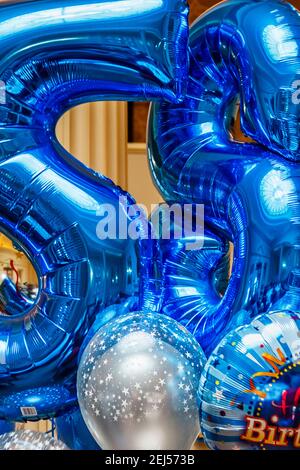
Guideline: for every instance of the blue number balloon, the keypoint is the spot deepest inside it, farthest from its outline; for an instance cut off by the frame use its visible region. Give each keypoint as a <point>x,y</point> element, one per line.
<point>250,387</point>
<point>54,55</point>
<point>248,52</point>
<point>190,271</point>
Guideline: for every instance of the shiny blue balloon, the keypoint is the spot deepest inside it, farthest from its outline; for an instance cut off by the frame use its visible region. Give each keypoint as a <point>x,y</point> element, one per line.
<point>245,52</point>
<point>250,387</point>
<point>72,430</point>
<point>184,273</point>
<point>55,55</point>
<point>138,384</point>
<point>6,426</point>
<point>108,314</point>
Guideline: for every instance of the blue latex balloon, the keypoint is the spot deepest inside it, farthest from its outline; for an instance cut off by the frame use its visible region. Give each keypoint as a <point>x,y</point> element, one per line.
<point>250,387</point>
<point>54,55</point>
<point>72,430</point>
<point>248,52</point>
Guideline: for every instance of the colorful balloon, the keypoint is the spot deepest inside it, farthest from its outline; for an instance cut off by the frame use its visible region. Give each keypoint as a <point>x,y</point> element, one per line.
<point>246,52</point>
<point>137,384</point>
<point>55,55</point>
<point>250,388</point>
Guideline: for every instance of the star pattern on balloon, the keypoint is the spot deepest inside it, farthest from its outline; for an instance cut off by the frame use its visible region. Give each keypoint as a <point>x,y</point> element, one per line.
<point>133,366</point>
<point>147,403</point>
<point>30,440</point>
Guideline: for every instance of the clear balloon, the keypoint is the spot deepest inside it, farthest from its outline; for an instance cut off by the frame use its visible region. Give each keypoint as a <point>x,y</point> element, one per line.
<point>71,429</point>
<point>246,52</point>
<point>137,384</point>
<point>55,55</point>
<point>250,388</point>
<point>30,440</point>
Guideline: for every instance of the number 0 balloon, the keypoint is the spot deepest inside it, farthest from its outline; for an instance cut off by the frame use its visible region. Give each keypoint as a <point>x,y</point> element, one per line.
<point>55,55</point>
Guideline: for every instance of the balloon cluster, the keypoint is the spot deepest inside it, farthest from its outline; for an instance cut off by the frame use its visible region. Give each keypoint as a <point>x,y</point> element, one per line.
<point>131,316</point>
<point>242,53</point>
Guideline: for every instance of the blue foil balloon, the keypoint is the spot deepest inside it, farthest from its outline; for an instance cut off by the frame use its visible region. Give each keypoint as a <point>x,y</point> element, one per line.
<point>187,271</point>
<point>250,387</point>
<point>245,52</point>
<point>6,426</point>
<point>55,55</point>
<point>71,429</point>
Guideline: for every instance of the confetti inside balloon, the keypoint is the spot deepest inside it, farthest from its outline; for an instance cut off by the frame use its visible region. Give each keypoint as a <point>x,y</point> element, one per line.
<point>137,384</point>
<point>250,388</point>
<point>30,440</point>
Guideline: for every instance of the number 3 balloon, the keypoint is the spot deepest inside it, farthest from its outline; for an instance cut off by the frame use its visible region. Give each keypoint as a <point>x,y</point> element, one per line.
<point>55,55</point>
<point>247,51</point>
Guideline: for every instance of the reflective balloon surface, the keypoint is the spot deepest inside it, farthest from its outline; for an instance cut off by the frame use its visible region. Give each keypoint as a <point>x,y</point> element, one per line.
<point>248,52</point>
<point>54,55</point>
<point>71,429</point>
<point>250,388</point>
<point>190,271</point>
<point>30,440</point>
<point>6,426</point>
<point>137,384</point>
<point>110,313</point>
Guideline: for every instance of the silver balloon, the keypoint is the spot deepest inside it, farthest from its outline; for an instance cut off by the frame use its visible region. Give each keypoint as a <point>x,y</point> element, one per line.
<point>30,440</point>
<point>137,384</point>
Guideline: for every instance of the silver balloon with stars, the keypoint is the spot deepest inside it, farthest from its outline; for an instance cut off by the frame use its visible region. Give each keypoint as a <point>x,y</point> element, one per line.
<point>137,384</point>
<point>30,440</point>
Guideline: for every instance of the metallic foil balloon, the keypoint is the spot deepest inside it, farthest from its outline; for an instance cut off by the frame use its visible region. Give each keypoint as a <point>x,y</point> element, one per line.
<point>71,429</point>
<point>6,426</point>
<point>245,52</point>
<point>137,384</point>
<point>250,388</point>
<point>30,440</point>
<point>190,271</point>
<point>55,55</point>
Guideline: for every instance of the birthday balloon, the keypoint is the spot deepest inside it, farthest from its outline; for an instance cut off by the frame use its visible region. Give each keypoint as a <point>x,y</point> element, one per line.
<point>250,388</point>
<point>72,430</point>
<point>248,53</point>
<point>30,440</point>
<point>137,384</point>
<point>55,55</point>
